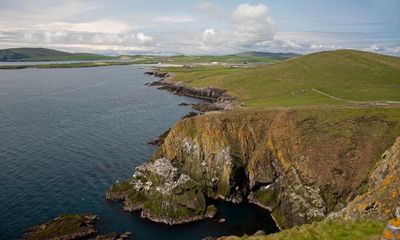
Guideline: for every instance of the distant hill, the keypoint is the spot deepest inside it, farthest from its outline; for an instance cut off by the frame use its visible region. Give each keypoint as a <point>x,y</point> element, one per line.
<point>275,56</point>
<point>239,58</point>
<point>44,54</point>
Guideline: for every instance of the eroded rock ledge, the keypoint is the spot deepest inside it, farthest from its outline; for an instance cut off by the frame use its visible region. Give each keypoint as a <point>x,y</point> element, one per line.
<point>66,227</point>
<point>299,164</point>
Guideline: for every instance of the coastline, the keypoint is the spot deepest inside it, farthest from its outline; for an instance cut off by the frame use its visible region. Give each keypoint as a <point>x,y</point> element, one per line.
<point>215,99</point>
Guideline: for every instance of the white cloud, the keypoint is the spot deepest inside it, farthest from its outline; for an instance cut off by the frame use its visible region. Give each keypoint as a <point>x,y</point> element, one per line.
<point>250,24</point>
<point>173,19</point>
<point>253,23</point>
<point>76,25</point>
<point>50,37</point>
<point>142,38</point>
<point>208,34</point>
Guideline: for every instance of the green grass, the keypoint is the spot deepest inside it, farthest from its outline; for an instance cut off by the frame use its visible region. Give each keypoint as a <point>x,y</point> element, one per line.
<point>346,74</point>
<point>329,230</point>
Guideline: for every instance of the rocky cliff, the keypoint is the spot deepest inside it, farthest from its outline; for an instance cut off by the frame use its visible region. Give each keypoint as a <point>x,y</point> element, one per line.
<point>383,194</point>
<point>300,164</point>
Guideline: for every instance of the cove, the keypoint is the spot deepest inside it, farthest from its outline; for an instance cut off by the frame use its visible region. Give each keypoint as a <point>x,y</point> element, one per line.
<point>68,134</point>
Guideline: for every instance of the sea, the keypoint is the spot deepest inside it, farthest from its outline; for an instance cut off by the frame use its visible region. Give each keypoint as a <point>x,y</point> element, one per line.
<point>67,134</point>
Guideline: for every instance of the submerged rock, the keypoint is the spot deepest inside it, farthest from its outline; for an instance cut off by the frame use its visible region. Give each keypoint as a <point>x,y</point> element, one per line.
<point>114,236</point>
<point>108,236</point>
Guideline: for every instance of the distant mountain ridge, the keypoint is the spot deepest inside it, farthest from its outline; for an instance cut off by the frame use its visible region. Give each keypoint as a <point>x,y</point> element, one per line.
<point>277,56</point>
<point>45,54</point>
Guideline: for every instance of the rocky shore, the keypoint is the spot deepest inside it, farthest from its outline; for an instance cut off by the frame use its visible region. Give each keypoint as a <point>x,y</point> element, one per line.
<point>214,99</point>
<point>162,194</point>
<point>64,227</point>
<point>158,141</point>
<point>71,227</point>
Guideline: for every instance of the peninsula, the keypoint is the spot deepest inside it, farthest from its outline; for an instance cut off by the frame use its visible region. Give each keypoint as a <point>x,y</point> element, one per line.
<point>307,138</point>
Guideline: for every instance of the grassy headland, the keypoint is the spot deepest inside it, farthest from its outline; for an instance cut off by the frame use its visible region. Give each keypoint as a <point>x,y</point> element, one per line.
<point>329,230</point>
<point>325,78</point>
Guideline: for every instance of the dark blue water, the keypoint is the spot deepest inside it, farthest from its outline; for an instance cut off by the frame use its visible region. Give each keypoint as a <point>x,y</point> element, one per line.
<point>67,134</point>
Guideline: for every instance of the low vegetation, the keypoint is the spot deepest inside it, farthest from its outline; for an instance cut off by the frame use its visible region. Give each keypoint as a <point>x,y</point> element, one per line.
<point>328,230</point>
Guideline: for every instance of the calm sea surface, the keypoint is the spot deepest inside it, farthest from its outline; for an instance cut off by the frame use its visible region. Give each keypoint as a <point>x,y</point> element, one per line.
<point>67,134</point>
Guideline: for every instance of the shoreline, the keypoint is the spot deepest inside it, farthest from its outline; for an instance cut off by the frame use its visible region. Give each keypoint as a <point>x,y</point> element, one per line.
<point>214,99</point>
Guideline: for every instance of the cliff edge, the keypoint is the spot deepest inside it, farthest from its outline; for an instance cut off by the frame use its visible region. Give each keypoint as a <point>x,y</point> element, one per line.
<point>300,164</point>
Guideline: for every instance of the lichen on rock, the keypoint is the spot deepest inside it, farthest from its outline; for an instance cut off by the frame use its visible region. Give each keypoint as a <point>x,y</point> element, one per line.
<point>162,194</point>
<point>382,197</point>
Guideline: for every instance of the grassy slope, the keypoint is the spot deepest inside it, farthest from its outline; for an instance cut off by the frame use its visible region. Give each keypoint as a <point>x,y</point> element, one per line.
<point>44,54</point>
<point>329,230</point>
<point>347,74</point>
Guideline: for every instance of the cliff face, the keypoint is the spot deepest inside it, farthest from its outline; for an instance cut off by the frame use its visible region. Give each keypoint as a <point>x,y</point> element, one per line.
<point>383,194</point>
<point>300,164</point>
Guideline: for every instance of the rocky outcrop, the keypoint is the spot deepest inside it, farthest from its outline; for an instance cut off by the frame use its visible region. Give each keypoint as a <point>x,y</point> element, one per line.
<point>382,197</point>
<point>300,164</point>
<point>216,99</point>
<point>114,236</point>
<point>162,194</point>
<point>64,227</point>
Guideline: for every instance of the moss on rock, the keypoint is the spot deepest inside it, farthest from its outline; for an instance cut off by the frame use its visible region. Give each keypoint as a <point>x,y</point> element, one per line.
<point>65,227</point>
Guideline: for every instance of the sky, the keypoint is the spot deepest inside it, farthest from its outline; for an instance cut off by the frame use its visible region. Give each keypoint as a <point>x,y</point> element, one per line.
<point>201,27</point>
